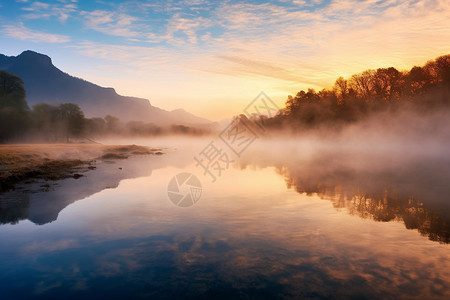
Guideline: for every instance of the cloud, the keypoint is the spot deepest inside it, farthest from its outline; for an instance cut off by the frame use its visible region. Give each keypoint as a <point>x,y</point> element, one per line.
<point>307,46</point>
<point>132,56</point>
<point>110,23</point>
<point>187,26</point>
<point>22,33</point>
<point>41,5</point>
<point>41,10</point>
<point>341,38</point>
<point>249,66</point>
<point>246,16</point>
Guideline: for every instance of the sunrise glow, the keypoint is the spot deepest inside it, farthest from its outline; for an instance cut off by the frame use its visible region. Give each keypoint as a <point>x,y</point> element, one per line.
<point>213,57</point>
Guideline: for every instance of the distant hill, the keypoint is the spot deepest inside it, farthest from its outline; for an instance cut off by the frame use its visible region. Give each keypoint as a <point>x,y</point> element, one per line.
<point>46,83</point>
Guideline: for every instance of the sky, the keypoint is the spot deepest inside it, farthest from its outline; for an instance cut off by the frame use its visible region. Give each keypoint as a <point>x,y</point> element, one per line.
<point>212,58</point>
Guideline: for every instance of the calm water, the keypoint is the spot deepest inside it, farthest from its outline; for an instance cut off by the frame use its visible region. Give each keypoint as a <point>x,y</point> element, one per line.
<point>273,225</point>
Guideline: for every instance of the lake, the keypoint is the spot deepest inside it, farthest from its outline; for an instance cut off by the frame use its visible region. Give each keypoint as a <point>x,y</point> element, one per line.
<point>284,219</point>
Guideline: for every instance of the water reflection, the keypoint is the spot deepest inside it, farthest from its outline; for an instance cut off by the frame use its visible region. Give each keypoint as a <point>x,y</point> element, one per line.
<point>383,205</point>
<point>247,237</point>
<point>382,186</point>
<point>252,241</point>
<point>30,202</point>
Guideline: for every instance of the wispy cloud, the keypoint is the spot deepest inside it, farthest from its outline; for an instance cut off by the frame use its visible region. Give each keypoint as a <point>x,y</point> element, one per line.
<point>284,44</point>
<point>254,67</point>
<point>338,39</point>
<point>41,10</point>
<point>309,46</point>
<point>22,33</point>
<point>110,23</point>
<point>132,56</point>
<point>189,27</point>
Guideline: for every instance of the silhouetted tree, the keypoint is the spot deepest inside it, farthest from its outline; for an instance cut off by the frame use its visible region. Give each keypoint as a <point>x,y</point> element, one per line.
<point>72,120</point>
<point>13,106</point>
<point>95,126</point>
<point>45,121</point>
<point>12,92</point>
<point>112,124</point>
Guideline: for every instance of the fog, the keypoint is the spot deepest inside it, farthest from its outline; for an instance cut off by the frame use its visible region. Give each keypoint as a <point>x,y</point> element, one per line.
<point>382,143</point>
<point>406,152</point>
<point>386,167</point>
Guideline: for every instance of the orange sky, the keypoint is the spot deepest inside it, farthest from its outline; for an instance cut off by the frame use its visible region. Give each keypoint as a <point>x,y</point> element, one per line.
<point>213,58</point>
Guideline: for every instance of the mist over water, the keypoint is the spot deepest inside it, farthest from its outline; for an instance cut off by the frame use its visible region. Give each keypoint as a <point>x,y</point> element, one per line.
<point>386,168</point>
<point>389,167</point>
<point>323,214</point>
<point>405,154</point>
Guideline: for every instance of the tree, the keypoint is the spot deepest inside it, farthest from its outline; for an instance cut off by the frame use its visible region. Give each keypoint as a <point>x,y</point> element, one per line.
<point>386,83</point>
<point>13,106</point>
<point>96,126</point>
<point>12,92</point>
<point>443,66</point>
<point>45,121</point>
<point>367,93</point>
<point>417,81</point>
<point>72,119</point>
<point>112,124</point>
<point>341,89</point>
<point>363,84</point>
<point>45,115</point>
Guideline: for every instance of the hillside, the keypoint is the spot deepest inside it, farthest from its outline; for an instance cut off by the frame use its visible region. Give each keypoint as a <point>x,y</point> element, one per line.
<point>46,83</point>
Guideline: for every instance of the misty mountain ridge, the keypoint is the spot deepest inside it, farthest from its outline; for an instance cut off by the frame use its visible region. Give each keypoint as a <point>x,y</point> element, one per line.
<point>46,83</point>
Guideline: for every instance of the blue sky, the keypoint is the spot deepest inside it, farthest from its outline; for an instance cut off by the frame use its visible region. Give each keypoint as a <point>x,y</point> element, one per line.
<point>213,57</point>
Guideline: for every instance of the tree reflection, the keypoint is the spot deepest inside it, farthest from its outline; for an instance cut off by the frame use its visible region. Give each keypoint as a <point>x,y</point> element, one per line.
<point>369,198</point>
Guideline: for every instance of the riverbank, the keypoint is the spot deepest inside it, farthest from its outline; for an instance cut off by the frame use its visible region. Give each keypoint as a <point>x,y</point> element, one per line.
<point>27,162</point>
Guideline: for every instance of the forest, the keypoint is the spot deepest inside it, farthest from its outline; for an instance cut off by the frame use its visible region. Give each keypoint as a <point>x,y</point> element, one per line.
<point>386,90</point>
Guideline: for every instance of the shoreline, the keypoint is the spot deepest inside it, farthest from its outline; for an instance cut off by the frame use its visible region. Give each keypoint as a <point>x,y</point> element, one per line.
<point>22,163</point>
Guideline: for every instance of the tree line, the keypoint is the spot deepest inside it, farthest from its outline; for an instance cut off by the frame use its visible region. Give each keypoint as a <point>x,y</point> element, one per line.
<point>64,122</point>
<point>366,93</point>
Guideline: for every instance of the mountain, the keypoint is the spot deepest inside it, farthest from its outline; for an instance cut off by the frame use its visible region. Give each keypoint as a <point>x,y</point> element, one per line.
<point>46,83</point>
